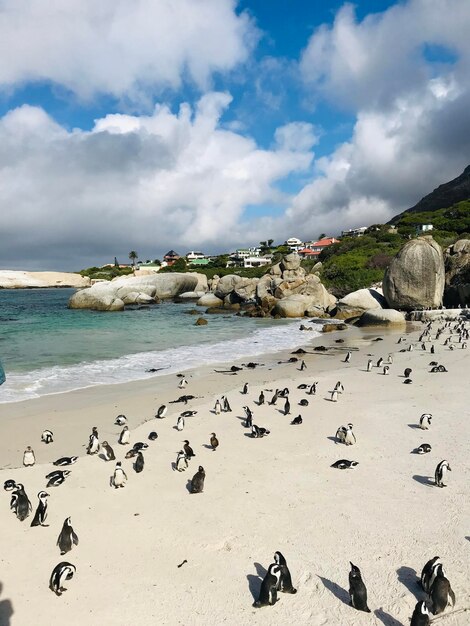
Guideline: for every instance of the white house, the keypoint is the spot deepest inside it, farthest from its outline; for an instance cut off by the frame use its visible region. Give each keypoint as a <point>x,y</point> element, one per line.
<point>192,256</point>
<point>424,228</point>
<point>354,232</point>
<point>256,261</point>
<point>294,244</point>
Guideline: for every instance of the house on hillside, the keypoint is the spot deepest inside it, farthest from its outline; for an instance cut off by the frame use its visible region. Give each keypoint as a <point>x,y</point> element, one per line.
<point>257,261</point>
<point>313,248</point>
<point>354,232</point>
<point>192,256</point>
<point>294,244</point>
<point>421,229</point>
<point>171,257</point>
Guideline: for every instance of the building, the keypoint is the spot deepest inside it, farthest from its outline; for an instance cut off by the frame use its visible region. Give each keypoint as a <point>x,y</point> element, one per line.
<point>313,248</point>
<point>256,261</point>
<point>171,257</point>
<point>199,262</point>
<point>294,244</point>
<point>354,232</point>
<point>192,256</point>
<point>424,228</point>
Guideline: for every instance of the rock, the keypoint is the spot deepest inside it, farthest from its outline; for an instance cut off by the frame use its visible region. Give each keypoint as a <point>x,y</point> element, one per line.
<point>209,300</point>
<point>201,322</point>
<point>245,288</point>
<point>290,262</point>
<point>316,268</point>
<point>137,298</point>
<point>364,299</point>
<point>96,299</point>
<point>11,279</point>
<point>415,278</point>
<point>382,317</point>
<point>444,315</point>
<point>328,328</point>
<point>276,270</point>
<point>191,295</point>
<point>293,306</point>
<point>216,310</point>
<point>457,265</point>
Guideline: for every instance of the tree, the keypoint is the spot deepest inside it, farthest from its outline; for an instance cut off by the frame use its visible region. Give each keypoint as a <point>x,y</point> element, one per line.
<point>116,264</point>
<point>322,236</point>
<point>133,256</point>
<point>270,242</point>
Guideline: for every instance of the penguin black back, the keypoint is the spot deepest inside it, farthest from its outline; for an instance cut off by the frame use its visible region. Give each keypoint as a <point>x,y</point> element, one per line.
<point>197,482</point>
<point>285,581</point>
<point>357,589</point>
<point>268,591</point>
<point>420,615</point>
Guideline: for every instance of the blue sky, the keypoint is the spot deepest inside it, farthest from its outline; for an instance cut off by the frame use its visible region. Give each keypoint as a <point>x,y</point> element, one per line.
<point>157,124</point>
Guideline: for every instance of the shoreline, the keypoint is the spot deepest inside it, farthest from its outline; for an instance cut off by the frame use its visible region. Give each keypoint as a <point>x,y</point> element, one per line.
<point>275,493</point>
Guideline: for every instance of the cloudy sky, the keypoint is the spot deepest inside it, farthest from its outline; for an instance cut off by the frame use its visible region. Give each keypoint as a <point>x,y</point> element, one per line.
<point>206,124</point>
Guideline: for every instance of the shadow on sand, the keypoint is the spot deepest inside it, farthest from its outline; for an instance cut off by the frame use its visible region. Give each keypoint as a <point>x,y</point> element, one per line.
<point>6,610</point>
<point>336,590</point>
<point>409,578</point>
<point>254,582</point>
<point>424,480</point>
<point>386,618</point>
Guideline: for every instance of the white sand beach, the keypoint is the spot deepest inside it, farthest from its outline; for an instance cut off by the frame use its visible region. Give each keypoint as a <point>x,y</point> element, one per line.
<point>260,495</point>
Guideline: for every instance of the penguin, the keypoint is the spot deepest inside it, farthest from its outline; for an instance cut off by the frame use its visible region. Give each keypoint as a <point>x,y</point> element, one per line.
<point>410,348</point>
<point>348,357</point>
<point>227,407</point>
<point>245,389</point>
<point>9,485</point>
<point>313,389</point>
<point>180,423</point>
<point>285,581</point>
<point>302,386</point>
<point>130,454</point>
<point>407,372</point>
<point>425,421</point>
<point>441,593</point>
<point>357,590</point>
<point>407,381</point>
<point>303,366</point>
<point>162,411</point>
<point>67,538</point>
<point>432,349</point>
<point>119,478</point>
<point>181,462</point>
<point>345,435</point>
<point>344,464</point>
<point>390,359</point>
<point>188,450</point>
<point>257,432</point>
<point>214,442</point>
<point>274,398</point>
<point>424,448</point>
<point>183,383</point>
<point>57,478</point>
<point>420,615</point>
<point>248,417</point>
<point>125,436</point>
<point>20,504</point>
<point>429,573</point>
<point>441,368</point>
<point>380,362</point>
<point>62,572</point>
<point>297,420</point>
<point>140,445</point>
<point>139,462</point>
<point>334,396</point>
<point>66,460</point>
<point>303,402</point>
<point>153,436</point>
<point>441,473</point>
<point>188,413</point>
<point>339,387</point>
<point>120,420</point>
<point>268,591</point>
<point>369,365</point>
<point>108,452</point>
<point>217,407</point>
<point>47,436</point>
<point>93,442</point>
<point>400,340</point>
<point>41,511</point>
<point>386,370</point>
<point>197,482</point>
<point>261,399</point>
<point>28,457</point>
<point>286,407</point>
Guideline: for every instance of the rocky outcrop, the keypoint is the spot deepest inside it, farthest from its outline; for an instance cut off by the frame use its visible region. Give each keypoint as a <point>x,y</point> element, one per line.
<point>10,279</point>
<point>297,305</point>
<point>415,278</point>
<point>210,300</point>
<point>238,288</point>
<point>112,296</point>
<point>457,265</point>
<point>382,317</point>
<point>363,299</point>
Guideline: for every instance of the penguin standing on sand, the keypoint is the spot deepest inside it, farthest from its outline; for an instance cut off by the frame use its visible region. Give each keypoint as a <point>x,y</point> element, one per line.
<point>441,473</point>
<point>180,423</point>
<point>369,365</point>
<point>248,417</point>
<point>161,412</point>
<point>245,389</point>
<point>339,387</point>
<point>93,442</point>
<point>380,362</point>
<point>227,407</point>
<point>20,503</point>
<point>273,400</point>
<point>68,537</point>
<point>41,511</point>
<point>268,590</point>
<point>197,482</point>
<point>429,573</point>
<point>421,615</point>
<point>425,421</point>
<point>28,457</point>
<point>345,435</point>
<point>334,396</point>
<point>62,572</point>
<point>107,451</point>
<point>348,357</point>
<point>119,478</point>
<point>386,370</point>
<point>183,383</point>
<point>390,359</point>
<point>303,366</point>
<point>441,592</point>
<point>125,436</point>
<point>181,461</point>
<point>214,442</point>
<point>407,372</point>
<point>357,590</point>
<point>217,407</point>
<point>286,407</point>
<point>285,581</point>
<point>188,450</point>
<point>47,436</point>
<point>261,398</point>
<point>313,389</point>
<point>139,462</point>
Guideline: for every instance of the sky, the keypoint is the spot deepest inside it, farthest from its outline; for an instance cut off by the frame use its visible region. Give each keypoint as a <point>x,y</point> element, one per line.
<point>152,125</point>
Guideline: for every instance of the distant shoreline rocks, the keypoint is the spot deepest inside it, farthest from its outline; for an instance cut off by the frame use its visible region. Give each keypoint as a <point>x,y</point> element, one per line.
<point>17,279</point>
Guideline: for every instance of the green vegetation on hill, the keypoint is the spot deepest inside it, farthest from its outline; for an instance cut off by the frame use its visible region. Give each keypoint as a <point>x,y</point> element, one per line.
<point>106,273</point>
<point>448,224</point>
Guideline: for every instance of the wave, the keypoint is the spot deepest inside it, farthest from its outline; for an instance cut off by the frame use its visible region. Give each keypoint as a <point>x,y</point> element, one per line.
<point>131,367</point>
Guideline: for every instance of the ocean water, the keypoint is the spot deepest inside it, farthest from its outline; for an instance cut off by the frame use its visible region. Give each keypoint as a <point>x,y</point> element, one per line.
<point>46,348</point>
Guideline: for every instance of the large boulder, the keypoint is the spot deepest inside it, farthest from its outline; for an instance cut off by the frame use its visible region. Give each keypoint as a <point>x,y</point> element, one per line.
<point>363,299</point>
<point>457,265</point>
<point>296,305</point>
<point>244,288</point>
<point>290,262</point>
<point>415,277</point>
<point>210,300</point>
<point>98,298</point>
<point>382,317</point>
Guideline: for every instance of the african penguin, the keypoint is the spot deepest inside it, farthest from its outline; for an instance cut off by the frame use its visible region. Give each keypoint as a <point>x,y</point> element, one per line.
<point>66,460</point>
<point>345,435</point>
<point>380,362</point>
<point>261,399</point>
<point>57,478</point>
<point>162,411</point>
<point>107,451</point>
<point>227,407</point>
<point>245,389</point>
<point>197,482</point>
<point>20,503</point>
<point>386,370</point>
<point>119,477</point>
<point>93,442</point>
<point>67,538</point>
<point>183,383</point>
<point>9,485</point>
<point>425,421</point>
<point>369,365</point>
<point>313,389</point>
<point>139,462</point>
<point>441,473</point>
<point>214,442</point>
<point>28,457</point>
<point>441,593</point>
<point>41,511</point>
<point>180,423</point>
<point>286,407</point>
<point>429,573</point>
<point>424,448</point>
<point>257,432</point>
<point>297,420</point>
<point>217,407</point>
<point>248,417</point>
<point>125,436</point>
<point>188,450</point>
<point>120,420</point>
<point>407,372</point>
<point>357,590</point>
<point>268,590</point>
<point>344,464</point>
<point>62,572</point>
<point>285,581</point>
<point>47,436</point>
<point>348,357</point>
<point>303,402</point>
<point>420,615</point>
<point>181,461</point>
<point>334,396</point>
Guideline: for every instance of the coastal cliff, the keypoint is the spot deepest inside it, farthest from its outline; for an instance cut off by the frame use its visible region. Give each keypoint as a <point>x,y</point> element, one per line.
<point>13,279</point>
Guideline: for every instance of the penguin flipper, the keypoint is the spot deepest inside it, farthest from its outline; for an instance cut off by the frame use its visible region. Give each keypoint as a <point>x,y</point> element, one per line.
<point>452,595</point>
<point>75,538</point>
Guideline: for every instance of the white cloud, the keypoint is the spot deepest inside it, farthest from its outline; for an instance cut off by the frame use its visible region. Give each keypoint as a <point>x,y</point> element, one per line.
<point>147,183</point>
<point>120,47</point>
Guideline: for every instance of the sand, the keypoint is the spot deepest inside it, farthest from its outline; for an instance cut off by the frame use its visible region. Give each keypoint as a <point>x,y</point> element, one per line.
<point>260,495</point>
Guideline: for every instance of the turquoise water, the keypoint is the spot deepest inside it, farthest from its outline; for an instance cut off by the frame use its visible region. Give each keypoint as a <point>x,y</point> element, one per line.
<point>47,348</point>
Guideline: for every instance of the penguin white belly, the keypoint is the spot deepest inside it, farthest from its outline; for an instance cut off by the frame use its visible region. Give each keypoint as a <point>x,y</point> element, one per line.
<point>28,458</point>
